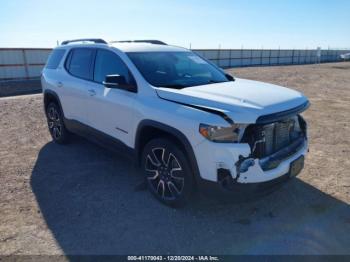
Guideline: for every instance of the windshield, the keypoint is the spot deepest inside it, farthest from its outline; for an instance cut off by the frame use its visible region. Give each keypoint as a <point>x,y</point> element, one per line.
<point>176,69</point>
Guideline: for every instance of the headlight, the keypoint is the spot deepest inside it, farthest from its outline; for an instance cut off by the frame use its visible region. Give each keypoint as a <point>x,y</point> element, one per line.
<point>221,134</point>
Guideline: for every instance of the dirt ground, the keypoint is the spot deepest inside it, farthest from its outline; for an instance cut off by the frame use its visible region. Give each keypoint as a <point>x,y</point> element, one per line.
<point>83,199</point>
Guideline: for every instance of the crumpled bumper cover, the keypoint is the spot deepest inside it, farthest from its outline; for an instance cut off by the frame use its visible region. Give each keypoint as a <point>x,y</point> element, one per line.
<point>226,178</point>
<point>240,192</point>
<point>273,166</point>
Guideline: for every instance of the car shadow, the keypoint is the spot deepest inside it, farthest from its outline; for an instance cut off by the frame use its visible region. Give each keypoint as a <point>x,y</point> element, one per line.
<point>92,203</point>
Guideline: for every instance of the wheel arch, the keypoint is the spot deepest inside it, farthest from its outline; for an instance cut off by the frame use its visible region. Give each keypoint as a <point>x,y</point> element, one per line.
<point>149,129</point>
<point>51,96</point>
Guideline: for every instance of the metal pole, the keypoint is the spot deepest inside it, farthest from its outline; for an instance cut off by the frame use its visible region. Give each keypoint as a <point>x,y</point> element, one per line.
<point>25,63</point>
<point>251,56</point>
<point>219,55</point>
<point>328,54</point>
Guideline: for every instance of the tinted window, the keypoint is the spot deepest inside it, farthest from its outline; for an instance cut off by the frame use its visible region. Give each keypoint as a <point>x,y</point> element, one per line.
<point>176,69</point>
<point>108,63</point>
<point>55,58</point>
<point>80,63</point>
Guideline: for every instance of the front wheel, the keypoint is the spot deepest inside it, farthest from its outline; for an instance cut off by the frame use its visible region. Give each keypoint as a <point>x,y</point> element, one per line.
<point>167,172</point>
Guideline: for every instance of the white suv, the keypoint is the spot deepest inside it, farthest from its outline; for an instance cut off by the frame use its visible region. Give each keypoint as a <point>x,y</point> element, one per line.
<point>187,123</point>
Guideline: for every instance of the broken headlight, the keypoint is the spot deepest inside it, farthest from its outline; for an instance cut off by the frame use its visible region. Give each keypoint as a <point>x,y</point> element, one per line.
<point>221,134</point>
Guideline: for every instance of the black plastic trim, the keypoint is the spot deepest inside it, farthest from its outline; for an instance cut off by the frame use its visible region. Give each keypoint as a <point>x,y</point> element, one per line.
<point>176,133</point>
<point>238,192</point>
<point>99,137</point>
<point>49,92</point>
<point>274,160</point>
<point>118,146</point>
<point>267,119</point>
<point>95,40</point>
<point>90,133</point>
<point>155,42</point>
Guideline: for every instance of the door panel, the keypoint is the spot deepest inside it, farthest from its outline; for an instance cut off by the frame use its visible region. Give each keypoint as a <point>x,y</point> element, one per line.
<point>75,99</point>
<point>111,110</point>
<point>75,85</point>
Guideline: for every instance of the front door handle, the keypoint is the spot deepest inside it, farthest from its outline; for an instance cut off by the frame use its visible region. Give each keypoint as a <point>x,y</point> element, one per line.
<point>92,92</point>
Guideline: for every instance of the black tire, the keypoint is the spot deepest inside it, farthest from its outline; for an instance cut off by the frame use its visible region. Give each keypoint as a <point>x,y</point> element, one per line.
<point>167,172</point>
<point>55,122</point>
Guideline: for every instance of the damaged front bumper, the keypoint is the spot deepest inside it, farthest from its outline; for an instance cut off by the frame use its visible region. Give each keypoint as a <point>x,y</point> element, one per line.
<point>230,168</point>
<point>273,166</point>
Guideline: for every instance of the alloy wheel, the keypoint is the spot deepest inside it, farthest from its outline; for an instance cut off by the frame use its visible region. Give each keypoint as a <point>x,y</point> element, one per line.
<point>164,173</point>
<point>54,122</point>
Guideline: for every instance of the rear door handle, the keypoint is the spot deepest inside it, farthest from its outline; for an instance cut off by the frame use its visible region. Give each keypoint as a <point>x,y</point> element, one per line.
<point>59,84</point>
<point>92,92</point>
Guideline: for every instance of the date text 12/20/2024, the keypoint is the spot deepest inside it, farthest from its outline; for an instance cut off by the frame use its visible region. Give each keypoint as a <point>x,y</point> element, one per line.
<point>173,258</point>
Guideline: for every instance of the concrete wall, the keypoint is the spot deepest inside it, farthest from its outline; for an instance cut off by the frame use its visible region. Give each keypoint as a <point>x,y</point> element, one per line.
<point>27,63</point>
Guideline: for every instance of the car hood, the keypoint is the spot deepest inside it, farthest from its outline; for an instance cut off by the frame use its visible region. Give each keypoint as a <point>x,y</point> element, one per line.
<point>244,101</point>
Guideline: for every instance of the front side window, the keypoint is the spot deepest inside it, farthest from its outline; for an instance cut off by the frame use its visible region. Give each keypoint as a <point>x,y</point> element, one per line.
<point>176,69</point>
<point>80,63</point>
<point>108,63</point>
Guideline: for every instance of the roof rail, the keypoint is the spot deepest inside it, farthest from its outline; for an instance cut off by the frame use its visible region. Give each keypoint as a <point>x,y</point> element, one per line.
<point>156,42</point>
<point>95,40</point>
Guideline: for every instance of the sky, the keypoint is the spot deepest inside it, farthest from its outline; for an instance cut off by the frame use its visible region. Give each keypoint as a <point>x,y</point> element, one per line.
<point>188,23</point>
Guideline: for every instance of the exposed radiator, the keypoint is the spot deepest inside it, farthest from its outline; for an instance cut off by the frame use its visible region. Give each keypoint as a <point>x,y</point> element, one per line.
<point>268,139</point>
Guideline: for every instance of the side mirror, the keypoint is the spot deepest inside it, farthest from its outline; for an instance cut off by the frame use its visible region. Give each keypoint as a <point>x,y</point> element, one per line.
<point>118,81</point>
<point>229,77</point>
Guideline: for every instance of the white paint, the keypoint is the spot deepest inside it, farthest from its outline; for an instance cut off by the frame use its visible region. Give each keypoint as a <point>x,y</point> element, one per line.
<point>242,100</point>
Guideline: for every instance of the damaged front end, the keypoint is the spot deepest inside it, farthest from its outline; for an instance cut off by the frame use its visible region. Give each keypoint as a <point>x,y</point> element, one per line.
<point>272,143</point>
<point>275,149</point>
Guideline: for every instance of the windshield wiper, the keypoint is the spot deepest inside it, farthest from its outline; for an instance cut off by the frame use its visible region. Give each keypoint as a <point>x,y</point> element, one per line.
<point>215,82</point>
<point>179,86</point>
<point>174,86</point>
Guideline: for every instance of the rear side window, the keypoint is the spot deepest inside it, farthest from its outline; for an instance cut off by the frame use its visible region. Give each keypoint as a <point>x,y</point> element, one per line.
<point>108,63</point>
<point>55,58</point>
<point>80,62</point>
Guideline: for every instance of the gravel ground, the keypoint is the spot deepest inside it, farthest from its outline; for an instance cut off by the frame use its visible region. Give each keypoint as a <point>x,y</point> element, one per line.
<point>83,199</point>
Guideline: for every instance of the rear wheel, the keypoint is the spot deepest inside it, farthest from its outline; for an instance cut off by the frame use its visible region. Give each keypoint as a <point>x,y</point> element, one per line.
<point>58,131</point>
<point>167,172</point>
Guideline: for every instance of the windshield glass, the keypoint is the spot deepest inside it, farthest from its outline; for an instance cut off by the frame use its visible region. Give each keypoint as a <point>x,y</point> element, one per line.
<point>176,69</point>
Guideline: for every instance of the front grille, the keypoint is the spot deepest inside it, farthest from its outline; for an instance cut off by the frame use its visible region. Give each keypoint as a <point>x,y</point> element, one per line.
<point>270,138</point>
